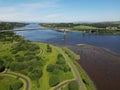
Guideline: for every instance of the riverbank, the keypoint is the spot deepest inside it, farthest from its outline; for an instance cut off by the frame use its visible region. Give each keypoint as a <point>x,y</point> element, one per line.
<point>102,66</point>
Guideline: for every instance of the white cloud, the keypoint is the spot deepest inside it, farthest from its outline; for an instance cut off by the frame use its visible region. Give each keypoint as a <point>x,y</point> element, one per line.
<point>27,12</point>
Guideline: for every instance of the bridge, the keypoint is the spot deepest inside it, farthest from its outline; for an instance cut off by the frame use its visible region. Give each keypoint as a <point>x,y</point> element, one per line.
<point>29,29</point>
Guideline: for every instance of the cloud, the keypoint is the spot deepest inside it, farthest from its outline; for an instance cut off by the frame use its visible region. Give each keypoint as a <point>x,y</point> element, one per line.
<point>28,11</point>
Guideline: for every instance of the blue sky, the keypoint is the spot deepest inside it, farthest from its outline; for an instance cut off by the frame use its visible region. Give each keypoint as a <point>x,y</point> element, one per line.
<point>60,10</point>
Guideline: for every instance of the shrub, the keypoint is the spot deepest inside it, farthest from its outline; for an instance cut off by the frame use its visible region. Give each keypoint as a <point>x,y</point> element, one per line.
<point>49,48</point>
<point>60,59</point>
<point>50,68</point>
<point>15,66</point>
<point>35,74</point>
<point>73,85</point>
<point>17,85</point>
<point>2,68</point>
<point>53,81</point>
<point>19,58</point>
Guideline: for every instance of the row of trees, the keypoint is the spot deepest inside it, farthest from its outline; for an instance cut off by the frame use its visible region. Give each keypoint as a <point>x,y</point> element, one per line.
<point>71,25</point>
<point>10,25</point>
<point>24,46</point>
<point>9,37</point>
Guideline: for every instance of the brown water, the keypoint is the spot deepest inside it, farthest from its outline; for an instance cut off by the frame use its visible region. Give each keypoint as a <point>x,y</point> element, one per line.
<point>102,66</point>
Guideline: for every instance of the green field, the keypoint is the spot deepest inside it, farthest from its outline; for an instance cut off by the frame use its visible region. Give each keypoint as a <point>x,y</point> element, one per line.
<point>84,27</point>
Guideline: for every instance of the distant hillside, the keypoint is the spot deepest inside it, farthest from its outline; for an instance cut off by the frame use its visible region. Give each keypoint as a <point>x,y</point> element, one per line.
<point>110,22</point>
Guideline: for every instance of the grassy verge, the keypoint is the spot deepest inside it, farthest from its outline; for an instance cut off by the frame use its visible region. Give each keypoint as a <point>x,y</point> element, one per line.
<point>85,79</point>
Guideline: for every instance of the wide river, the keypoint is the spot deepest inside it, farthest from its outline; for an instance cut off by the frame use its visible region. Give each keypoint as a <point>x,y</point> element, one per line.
<point>109,42</point>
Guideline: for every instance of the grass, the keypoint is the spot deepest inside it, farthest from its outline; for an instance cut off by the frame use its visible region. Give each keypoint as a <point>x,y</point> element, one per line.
<point>6,81</point>
<point>65,88</point>
<point>84,27</point>
<point>85,79</point>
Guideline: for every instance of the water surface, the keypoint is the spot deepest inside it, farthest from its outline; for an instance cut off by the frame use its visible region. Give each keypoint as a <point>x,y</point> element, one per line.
<point>109,42</point>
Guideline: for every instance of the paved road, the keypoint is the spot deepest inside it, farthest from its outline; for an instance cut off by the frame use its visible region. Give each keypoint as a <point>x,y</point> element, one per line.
<point>73,68</point>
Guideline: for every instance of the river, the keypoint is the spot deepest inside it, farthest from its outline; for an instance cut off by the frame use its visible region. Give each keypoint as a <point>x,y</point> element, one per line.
<point>109,42</point>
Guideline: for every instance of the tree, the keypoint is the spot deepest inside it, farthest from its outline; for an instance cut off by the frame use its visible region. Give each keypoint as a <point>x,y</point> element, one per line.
<point>2,68</point>
<point>50,68</point>
<point>53,81</point>
<point>36,74</point>
<point>49,48</point>
<point>73,85</point>
<point>16,86</point>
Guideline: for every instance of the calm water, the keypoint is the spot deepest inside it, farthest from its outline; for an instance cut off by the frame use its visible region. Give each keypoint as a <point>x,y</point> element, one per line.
<point>110,42</point>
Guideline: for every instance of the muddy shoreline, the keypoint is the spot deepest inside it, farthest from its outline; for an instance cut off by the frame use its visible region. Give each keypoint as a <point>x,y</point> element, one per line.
<point>102,66</point>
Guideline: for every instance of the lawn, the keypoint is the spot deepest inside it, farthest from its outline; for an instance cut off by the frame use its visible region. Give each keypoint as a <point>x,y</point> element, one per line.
<point>84,27</point>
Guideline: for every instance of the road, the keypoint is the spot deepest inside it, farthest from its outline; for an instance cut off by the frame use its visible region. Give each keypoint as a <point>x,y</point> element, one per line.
<point>73,68</point>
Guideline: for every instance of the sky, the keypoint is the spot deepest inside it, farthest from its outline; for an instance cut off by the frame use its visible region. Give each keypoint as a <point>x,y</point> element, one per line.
<point>59,10</point>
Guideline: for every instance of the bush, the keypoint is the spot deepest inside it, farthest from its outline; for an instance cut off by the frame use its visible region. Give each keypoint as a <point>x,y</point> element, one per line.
<point>49,48</point>
<point>29,57</point>
<point>53,81</point>
<point>15,66</point>
<point>16,86</point>
<point>19,58</point>
<point>2,68</point>
<point>35,74</point>
<point>50,68</point>
<point>73,85</point>
<point>61,59</point>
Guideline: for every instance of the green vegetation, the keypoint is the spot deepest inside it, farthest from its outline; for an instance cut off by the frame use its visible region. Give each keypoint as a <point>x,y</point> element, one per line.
<point>92,28</point>
<point>73,85</point>
<point>84,27</point>
<point>85,79</point>
<point>10,83</point>
<point>8,25</point>
<point>49,48</point>
<point>53,81</point>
